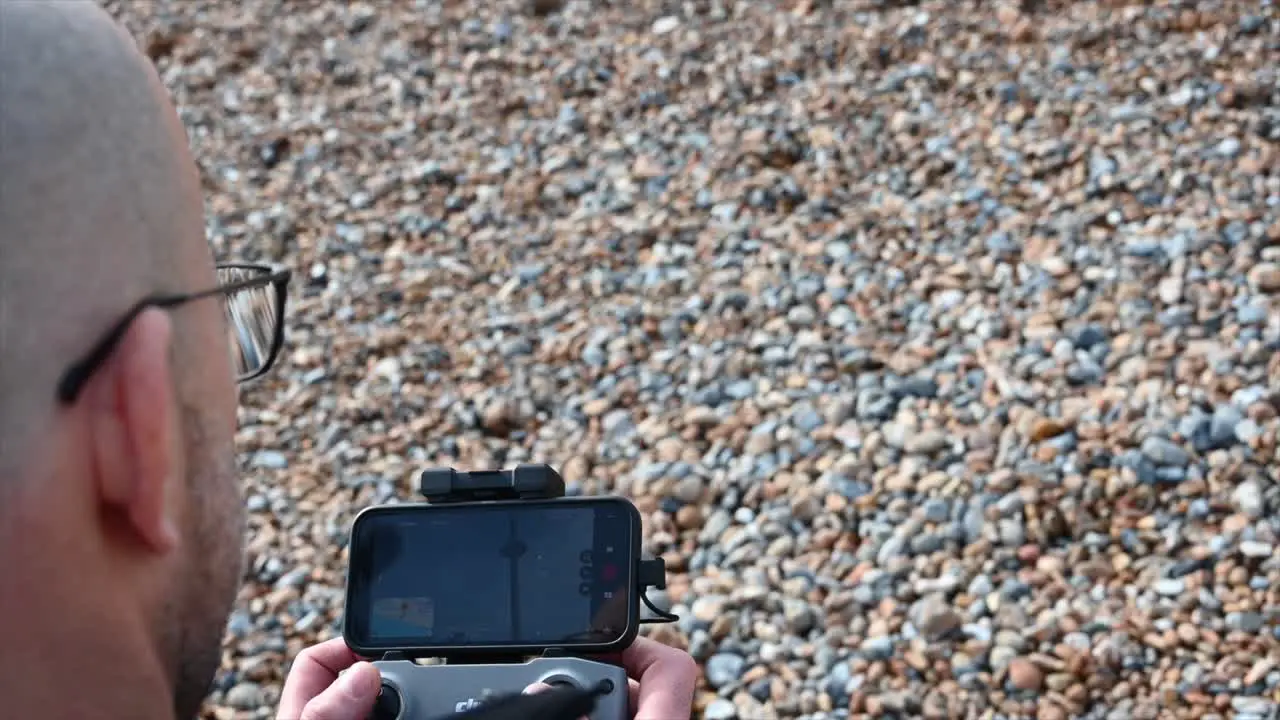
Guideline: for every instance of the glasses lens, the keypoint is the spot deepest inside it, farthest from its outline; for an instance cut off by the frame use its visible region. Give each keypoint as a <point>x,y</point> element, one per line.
<point>252,315</point>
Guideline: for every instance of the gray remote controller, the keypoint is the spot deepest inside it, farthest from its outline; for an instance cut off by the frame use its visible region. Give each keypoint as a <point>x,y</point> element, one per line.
<point>418,692</point>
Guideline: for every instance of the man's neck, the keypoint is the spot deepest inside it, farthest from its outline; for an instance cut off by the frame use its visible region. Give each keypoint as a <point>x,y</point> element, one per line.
<point>60,694</point>
<point>86,666</point>
<point>71,648</point>
<point>75,672</point>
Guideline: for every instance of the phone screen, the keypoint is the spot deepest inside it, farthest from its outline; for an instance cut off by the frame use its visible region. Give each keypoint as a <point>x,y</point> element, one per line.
<point>526,573</point>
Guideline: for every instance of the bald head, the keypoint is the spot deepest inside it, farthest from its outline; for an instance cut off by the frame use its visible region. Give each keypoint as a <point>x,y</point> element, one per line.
<point>121,518</point>
<point>99,199</point>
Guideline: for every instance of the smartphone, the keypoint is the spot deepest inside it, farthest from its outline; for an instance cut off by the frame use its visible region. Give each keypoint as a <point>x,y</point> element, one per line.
<point>516,576</point>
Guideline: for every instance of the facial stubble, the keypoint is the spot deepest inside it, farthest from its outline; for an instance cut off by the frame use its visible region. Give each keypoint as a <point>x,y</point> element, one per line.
<point>214,564</point>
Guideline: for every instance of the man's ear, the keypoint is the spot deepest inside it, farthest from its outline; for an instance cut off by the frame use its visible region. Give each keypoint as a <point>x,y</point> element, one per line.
<point>133,433</point>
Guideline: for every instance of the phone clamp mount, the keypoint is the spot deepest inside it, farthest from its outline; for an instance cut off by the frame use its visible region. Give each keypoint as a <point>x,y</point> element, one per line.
<point>489,686</point>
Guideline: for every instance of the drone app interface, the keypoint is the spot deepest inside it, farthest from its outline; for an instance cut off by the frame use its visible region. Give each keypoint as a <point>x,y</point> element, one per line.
<point>529,573</point>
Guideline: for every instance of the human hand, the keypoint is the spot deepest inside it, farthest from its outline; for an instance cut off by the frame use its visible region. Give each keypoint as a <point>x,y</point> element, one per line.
<point>662,680</point>
<point>314,690</point>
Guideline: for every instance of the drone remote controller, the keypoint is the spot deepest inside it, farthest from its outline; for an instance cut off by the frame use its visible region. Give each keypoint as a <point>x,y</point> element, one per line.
<point>565,577</point>
<point>416,692</point>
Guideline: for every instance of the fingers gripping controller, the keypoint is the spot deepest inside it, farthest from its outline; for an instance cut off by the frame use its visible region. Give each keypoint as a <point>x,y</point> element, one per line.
<point>491,692</point>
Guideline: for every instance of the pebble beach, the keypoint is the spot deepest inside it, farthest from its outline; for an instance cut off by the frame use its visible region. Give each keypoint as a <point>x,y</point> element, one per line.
<point>935,341</point>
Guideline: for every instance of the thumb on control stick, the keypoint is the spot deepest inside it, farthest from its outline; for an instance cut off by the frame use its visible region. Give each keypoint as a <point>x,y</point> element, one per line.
<point>350,697</point>
<point>540,687</point>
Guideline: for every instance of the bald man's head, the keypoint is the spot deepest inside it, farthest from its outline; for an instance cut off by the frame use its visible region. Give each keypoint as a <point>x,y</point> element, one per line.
<point>125,500</point>
<point>99,198</point>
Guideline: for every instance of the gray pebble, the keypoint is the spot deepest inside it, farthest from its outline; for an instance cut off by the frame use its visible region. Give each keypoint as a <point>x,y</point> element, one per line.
<point>270,459</point>
<point>1250,622</point>
<point>937,510</point>
<point>244,696</point>
<point>1255,549</point>
<point>1164,452</point>
<point>1222,428</point>
<point>799,615</point>
<point>294,578</point>
<point>720,709</point>
<point>1001,656</point>
<point>724,669</point>
<point>842,317</point>
<point>1248,499</point>
<point>877,648</point>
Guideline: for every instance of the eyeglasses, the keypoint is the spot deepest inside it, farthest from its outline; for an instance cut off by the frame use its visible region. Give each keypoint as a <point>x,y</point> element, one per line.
<point>254,298</point>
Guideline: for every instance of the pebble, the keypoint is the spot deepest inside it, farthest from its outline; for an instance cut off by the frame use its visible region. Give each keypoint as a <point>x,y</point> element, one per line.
<point>1164,452</point>
<point>708,607</point>
<point>1024,674</point>
<point>720,709</point>
<point>920,361</point>
<point>799,615</point>
<point>1248,499</point>
<point>936,619</point>
<point>270,459</point>
<point>1249,622</point>
<point>877,648</point>
<point>244,696</point>
<point>724,669</point>
<point>1255,549</point>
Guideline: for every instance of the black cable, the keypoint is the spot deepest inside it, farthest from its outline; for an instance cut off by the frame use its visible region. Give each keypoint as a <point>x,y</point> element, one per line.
<point>662,615</point>
<point>652,573</point>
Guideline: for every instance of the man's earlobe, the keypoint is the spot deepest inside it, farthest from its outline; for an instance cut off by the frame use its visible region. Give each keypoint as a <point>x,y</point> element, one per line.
<point>133,429</point>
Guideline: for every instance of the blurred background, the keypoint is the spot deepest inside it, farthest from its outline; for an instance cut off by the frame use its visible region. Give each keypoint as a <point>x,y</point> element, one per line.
<point>934,340</point>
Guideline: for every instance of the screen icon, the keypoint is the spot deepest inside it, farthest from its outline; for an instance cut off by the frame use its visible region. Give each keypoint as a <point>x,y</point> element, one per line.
<point>608,549</point>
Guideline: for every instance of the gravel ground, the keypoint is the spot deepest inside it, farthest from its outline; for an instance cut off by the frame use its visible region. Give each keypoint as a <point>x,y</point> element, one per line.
<point>936,341</point>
